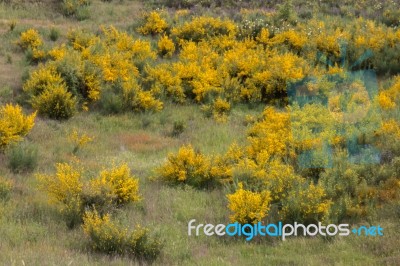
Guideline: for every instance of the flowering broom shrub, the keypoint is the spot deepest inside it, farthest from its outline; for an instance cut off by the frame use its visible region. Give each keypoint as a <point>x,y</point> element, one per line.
<point>187,167</point>
<point>307,203</point>
<point>121,187</point>
<point>154,24</point>
<point>108,237</point>
<point>30,39</point>
<point>247,206</point>
<point>56,102</point>
<point>14,125</point>
<point>74,192</point>
<point>202,27</point>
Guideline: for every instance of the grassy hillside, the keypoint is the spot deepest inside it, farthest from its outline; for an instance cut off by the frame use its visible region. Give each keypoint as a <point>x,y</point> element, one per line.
<point>127,97</point>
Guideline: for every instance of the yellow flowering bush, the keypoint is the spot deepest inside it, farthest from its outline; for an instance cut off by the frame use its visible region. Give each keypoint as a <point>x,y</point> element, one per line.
<point>73,7</point>
<point>154,24</point>
<point>56,102</point>
<point>203,27</point>
<point>247,206</point>
<point>187,167</point>
<point>271,137</point>
<point>14,125</point>
<point>307,204</point>
<point>219,109</point>
<point>30,39</point>
<point>64,189</point>
<point>72,190</point>
<point>118,184</point>
<point>108,237</point>
<point>390,98</point>
<point>40,79</point>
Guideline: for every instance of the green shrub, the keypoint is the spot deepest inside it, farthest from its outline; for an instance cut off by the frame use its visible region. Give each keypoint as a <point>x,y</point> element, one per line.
<point>22,157</point>
<point>178,128</point>
<point>82,13</point>
<point>54,34</point>
<point>108,237</point>
<point>73,7</point>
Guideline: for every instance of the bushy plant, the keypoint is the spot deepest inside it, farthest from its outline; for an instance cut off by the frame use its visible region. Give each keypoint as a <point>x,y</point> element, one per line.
<point>247,206</point>
<point>118,184</point>
<point>56,102</point>
<point>73,191</point>
<point>187,167</point>
<point>74,7</point>
<point>30,39</point>
<point>22,157</point>
<point>178,128</point>
<point>201,28</point>
<point>307,203</point>
<point>154,24</point>
<point>108,237</point>
<point>14,125</point>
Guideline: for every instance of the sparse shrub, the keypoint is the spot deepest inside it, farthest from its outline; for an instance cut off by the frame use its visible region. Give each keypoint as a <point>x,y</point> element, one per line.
<point>178,128</point>
<point>12,24</point>
<point>6,95</point>
<point>82,13</point>
<point>54,34</point>
<point>14,125</point>
<point>73,7</point>
<point>35,55</point>
<point>79,140</point>
<point>22,157</point>
<point>5,189</point>
<point>108,237</point>
<point>219,110</point>
<point>9,59</point>
<point>286,11</point>
<point>248,207</point>
<point>64,189</point>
